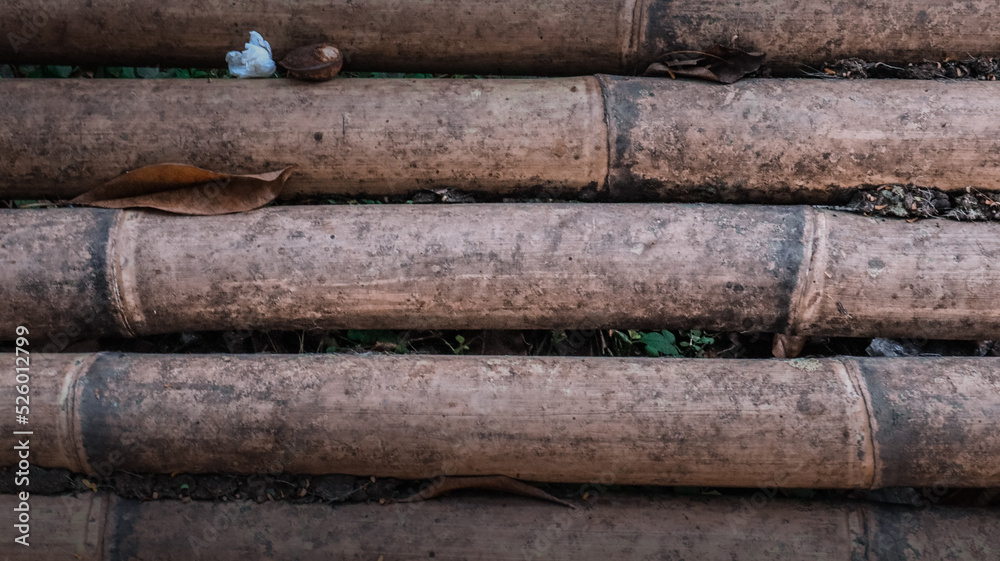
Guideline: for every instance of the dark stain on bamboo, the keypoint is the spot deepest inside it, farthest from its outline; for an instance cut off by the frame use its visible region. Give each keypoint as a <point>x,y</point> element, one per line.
<point>788,255</point>
<point>657,35</point>
<point>121,521</point>
<point>925,426</point>
<point>621,116</point>
<point>103,434</point>
<point>99,242</point>
<point>63,274</point>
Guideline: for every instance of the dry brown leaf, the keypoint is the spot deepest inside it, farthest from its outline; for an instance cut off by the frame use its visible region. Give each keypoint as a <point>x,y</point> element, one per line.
<point>717,64</point>
<point>787,346</point>
<point>442,485</point>
<point>184,189</point>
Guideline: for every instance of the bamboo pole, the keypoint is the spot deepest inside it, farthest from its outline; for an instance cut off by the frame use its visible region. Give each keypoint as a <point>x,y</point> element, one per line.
<point>794,270</point>
<point>832,423</point>
<point>98,526</point>
<point>606,138</point>
<point>513,37</point>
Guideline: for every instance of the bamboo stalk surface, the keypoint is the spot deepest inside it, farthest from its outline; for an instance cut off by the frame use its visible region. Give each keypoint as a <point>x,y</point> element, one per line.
<point>795,270</point>
<point>98,526</point>
<point>830,423</point>
<point>512,37</point>
<point>603,138</point>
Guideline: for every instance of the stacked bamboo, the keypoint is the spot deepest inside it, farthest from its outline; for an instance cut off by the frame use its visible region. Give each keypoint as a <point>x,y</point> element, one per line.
<point>838,423</point>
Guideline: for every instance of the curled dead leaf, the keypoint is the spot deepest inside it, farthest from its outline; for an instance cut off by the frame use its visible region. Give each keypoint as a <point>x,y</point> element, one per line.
<point>184,189</point>
<point>441,485</point>
<point>717,64</point>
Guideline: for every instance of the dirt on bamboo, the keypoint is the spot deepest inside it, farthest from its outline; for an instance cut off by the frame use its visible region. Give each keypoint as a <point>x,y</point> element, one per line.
<point>832,423</point>
<point>98,526</point>
<point>604,138</point>
<point>560,37</point>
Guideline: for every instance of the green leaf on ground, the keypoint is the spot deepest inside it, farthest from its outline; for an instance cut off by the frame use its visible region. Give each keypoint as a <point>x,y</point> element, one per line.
<point>661,343</point>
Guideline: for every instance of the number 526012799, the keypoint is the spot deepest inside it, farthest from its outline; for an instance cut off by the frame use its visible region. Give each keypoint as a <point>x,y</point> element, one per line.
<point>22,365</point>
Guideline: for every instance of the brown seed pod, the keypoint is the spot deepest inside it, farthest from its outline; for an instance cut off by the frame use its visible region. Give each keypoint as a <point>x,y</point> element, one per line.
<point>316,63</point>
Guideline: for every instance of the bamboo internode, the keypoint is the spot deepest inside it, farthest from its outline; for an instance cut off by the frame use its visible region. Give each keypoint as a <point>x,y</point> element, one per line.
<point>795,270</point>
<point>603,138</point>
<point>555,37</point>
<point>830,423</point>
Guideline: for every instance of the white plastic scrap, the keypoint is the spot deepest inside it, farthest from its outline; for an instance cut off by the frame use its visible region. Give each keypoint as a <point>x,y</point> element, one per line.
<point>254,62</point>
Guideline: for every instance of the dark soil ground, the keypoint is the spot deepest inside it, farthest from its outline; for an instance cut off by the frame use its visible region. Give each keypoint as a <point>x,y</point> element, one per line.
<point>911,202</point>
<point>611,342</point>
<point>971,68</point>
<point>339,489</point>
<point>968,68</point>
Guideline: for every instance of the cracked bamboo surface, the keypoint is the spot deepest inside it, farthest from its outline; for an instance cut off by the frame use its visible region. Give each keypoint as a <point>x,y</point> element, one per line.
<point>830,423</point>
<point>793,269</point>
<point>591,138</point>
<point>552,37</point>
